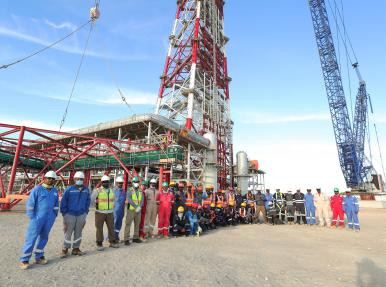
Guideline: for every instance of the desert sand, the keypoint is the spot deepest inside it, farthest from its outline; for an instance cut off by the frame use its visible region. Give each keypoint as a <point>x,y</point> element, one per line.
<point>245,255</point>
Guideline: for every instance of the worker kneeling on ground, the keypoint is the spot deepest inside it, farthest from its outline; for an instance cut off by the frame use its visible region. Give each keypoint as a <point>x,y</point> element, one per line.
<point>192,216</point>
<point>134,206</point>
<point>119,206</point>
<point>42,209</point>
<point>74,207</point>
<point>181,225</point>
<point>104,199</point>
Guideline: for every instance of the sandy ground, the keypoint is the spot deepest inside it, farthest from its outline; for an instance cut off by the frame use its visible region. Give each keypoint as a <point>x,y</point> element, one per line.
<point>247,255</point>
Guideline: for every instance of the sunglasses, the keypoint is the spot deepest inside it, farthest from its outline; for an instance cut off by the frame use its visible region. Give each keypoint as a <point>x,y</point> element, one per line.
<point>50,178</point>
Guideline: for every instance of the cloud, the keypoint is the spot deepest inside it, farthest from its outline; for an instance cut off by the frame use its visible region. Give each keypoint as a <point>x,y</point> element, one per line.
<point>66,25</point>
<point>257,118</point>
<point>21,31</point>
<point>86,92</point>
<point>33,123</point>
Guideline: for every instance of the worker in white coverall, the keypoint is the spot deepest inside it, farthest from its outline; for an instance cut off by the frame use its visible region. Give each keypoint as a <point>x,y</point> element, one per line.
<point>151,208</point>
<point>322,204</point>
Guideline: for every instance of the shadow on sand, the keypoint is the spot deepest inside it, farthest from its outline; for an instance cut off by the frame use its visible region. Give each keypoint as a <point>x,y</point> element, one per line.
<point>370,275</point>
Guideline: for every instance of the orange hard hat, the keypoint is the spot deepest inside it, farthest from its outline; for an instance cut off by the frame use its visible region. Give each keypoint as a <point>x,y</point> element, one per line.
<point>189,184</point>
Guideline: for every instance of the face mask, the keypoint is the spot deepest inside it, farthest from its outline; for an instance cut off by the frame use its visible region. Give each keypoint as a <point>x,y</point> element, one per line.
<point>180,215</point>
<point>136,185</point>
<point>79,182</point>
<point>152,186</point>
<point>106,185</point>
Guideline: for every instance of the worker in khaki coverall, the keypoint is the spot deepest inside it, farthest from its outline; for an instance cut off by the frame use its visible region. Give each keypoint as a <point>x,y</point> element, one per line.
<point>152,208</point>
<point>104,198</point>
<point>135,199</point>
<point>322,204</point>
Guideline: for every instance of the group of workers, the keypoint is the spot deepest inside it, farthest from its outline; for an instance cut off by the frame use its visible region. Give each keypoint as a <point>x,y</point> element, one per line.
<point>183,209</point>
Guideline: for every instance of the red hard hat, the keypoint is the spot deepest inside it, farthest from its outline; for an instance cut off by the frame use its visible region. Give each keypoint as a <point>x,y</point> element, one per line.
<point>195,205</point>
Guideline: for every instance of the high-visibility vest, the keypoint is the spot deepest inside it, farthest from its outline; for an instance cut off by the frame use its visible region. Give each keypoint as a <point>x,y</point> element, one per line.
<point>105,199</point>
<point>231,200</point>
<point>220,201</point>
<point>136,199</point>
<point>189,199</point>
<point>206,202</point>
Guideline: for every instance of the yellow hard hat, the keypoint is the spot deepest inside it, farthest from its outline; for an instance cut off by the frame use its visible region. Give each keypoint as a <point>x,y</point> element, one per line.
<point>212,204</point>
<point>243,204</point>
<point>172,183</point>
<point>209,186</point>
<point>180,209</point>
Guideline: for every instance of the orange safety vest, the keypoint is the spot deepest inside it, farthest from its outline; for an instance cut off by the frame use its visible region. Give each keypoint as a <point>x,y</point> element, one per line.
<point>231,200</point>
<point>220,201</point>
<point>206,202</point>
<point>189,199</point>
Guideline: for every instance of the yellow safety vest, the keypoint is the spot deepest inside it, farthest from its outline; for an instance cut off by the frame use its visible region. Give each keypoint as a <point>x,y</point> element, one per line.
<point>135,199</point>
<point>105,199</point>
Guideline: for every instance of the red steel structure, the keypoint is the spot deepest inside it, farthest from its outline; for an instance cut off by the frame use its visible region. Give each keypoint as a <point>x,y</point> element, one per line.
<point>194,87</point>
<point>30,152</point>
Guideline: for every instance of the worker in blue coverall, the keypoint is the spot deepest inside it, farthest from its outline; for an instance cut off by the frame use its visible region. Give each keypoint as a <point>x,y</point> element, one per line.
<point>42,209</point>
<point>351,208</point>
<point>310,208</point>
<point>74,206</point>
<point>119,206</point>
<point>193,220</point>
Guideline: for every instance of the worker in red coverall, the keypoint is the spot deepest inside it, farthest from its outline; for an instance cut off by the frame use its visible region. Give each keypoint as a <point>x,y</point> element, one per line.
<point>145,184</point>
<point>165,200</point>
<point>337,209</point>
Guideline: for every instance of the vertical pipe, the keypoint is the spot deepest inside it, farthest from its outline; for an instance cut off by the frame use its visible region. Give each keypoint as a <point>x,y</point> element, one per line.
<point>188,163</point>
<point>161,176</point>
<point>148,142</point>
<point>189,119</point>
<point>16,160</point>
<point>125,179</point>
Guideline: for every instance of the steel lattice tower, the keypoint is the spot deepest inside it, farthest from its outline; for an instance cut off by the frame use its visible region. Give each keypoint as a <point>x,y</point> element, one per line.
<point>194,87</point>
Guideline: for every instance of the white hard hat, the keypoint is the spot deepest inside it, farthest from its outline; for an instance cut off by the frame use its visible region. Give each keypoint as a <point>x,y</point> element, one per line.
<point>119,179</point>
<point>153,180</point>
<point>105,178</point>
<point>79,174</point>
<point>51,174</point>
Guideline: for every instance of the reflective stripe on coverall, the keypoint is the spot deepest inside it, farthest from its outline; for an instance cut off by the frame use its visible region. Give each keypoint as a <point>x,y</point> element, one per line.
<point>119,210</point>
<point>310,208</point>
<point>42,209</point>
<point>337,210</point>
<point>322,204</point>
<point>351,208</point>
<point>165,201</point>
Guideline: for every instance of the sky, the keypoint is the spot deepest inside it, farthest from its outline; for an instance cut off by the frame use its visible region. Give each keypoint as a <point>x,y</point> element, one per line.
<point>278,98</point>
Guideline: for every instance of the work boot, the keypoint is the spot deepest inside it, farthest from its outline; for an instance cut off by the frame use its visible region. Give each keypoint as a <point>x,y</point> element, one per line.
<point>114,245</point>
<point>100,247</point>
<point>41,261</point>
<point>76,251</point>
<point>137,240</point>
<point>127,242</point>
<point>143,239</point>
<point>24,265</point>
<point>64,253</point>
<point>332,226</point>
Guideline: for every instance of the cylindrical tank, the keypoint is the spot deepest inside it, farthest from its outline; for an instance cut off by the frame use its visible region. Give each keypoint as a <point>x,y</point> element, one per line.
<point>242,163</point>
<point>210,174</point>
<point>211,152</point>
